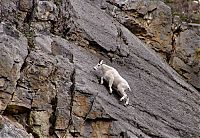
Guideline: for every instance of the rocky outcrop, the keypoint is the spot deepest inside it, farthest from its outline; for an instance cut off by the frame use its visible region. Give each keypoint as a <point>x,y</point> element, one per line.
<point>151,21</point>
<point>49,89</point>
<point>186,56</point>
<point>12,129</point>
<point>13,53</point>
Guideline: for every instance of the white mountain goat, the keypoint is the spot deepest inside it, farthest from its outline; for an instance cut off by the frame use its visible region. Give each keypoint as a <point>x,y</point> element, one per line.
<point>111,75</point>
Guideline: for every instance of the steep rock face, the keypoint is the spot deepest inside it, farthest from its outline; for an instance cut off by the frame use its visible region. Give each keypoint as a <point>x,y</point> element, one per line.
<point>149,20</point>
<point>13,51</point>
<point>152,22</point>
<point>186,56</point>
<point>12,129</point>
<point>57,94</point>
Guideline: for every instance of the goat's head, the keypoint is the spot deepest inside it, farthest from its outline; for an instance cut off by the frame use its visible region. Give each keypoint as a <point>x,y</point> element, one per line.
<point>98,65</point>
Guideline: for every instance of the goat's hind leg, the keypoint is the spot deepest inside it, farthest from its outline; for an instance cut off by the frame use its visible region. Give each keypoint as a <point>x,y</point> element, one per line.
<point>122,92</point>
<point>110,83</point>
<point>127,99</point>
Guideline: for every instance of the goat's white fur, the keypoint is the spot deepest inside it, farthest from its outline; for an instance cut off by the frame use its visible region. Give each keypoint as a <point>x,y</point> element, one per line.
<point>114,79</point>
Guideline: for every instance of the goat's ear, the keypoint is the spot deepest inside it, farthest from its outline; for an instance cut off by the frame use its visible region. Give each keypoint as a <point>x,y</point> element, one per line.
<point>100,61</point>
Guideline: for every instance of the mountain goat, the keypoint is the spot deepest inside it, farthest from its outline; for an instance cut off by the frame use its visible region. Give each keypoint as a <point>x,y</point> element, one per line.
<point>111,75</point>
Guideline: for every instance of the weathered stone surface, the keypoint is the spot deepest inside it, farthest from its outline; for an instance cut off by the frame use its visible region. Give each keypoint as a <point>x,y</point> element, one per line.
<point>98,21</point>
<point>21,101</point>
<point>39,121</point>
<point>12,129</point>
<point>151,21</point>
<point>25,5</point>
<point>8,10</point>
<point>49,79</point>
<point>5,99</point>
<point>141,110</point>
<point>46,10</point>
<point>153,74</point>
<point>85,104</point>
<point>57,92</point>
<point>13,51</point>
<point>186,60</point>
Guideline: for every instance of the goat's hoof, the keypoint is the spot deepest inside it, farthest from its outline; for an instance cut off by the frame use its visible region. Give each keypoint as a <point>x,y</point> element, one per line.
<point>121,99</point>
<point>110,92</point>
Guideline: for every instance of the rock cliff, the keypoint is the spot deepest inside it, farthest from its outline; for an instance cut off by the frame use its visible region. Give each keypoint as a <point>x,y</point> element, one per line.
<point>48,87</point>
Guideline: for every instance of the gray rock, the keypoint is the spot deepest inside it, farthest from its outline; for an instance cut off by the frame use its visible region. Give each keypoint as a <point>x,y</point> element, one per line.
<point>151,79</point>
<point>25,5</point>
<point>46,82</point>
<point>154,85</point>
<point>151,21</point>
<point>43,43</point>
<point>13,51</point>
<point>11,129</point>
<point>91,21</point>
<point>187,45</point>
<point>8,10</point>
<point>46,10</point>
<point>58,93</point>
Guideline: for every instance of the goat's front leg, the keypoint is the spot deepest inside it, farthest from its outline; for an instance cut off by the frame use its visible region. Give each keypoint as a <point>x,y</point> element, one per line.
<point>101,81</point>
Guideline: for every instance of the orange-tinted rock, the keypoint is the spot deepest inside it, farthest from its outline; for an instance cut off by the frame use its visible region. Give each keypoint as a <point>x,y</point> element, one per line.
<point>100,129</point>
